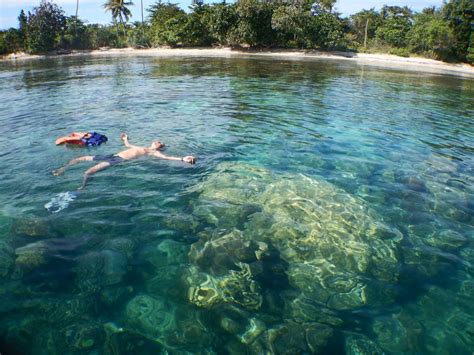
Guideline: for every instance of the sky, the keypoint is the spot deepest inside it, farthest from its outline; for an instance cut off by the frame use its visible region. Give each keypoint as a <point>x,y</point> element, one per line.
<point>92,11</point>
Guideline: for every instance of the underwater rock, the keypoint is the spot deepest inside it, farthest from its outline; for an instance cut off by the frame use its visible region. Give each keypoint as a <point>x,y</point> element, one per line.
<point>317,336</point>
<point>37,254</point>
<point>440,164</point>
<point>95,270</point>
<point>115,294</point>
<point>302,309</point>
<point>64,311</point>
<point>118,339</point>
<point>204,291</point>
<point>358,344</point>
<point>447,318</point>
<point>220,254</point>
<point>189,332</point>
<point>31,227</point>
<point>7,256</point>
<point>80,337</point>
<point>222,216</point>
<point>236,287</point>
<point>331,240</point>
<point>399,333</point>
<point>164,253</point>
<point>447,239</point>
<point>150,316</point>
<point>230,325</point>
<point>429,261</point>
<point>17,336</point>
<point>414,183</point>
<point>83,336</point>
<point>255,328</point>
<point>292,338</point>
<point>123,246</point>
<point>166,282</point>
<point>184,223</point>
<point>31,256</point>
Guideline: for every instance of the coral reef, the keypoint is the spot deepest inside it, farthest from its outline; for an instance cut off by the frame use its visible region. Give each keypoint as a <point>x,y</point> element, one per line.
<point>236,287</point>
<point>95,270</point>
<point>150,316</point>
<point>338,250</point>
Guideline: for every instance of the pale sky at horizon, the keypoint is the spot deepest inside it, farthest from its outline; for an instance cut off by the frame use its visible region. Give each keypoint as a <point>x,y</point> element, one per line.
<point>92,11</point>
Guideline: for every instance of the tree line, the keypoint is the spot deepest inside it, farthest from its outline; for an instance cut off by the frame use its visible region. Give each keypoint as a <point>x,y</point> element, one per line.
<point>444,33</point>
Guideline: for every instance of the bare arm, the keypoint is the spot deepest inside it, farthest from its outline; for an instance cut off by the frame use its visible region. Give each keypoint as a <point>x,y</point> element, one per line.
<point>188,159</point>
<point>124,138</point>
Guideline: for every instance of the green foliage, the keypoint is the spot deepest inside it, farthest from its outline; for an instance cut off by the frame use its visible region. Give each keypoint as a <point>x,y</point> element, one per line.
<point>325,31</point>
<point>11,41</point>
<point>358,23</point>
<point>470,50</point>
<point>23,27</point>
<point>290,22</point>
<point>45,26</point>
<point>254,24</point>
<point>397,21</point>
<point>431,35</point>
<point>74,35</point>
<point>220,19</point>
<point>460,17</point>
<point>101,36</point>
<point>119,10</point>
<point>139,35</point>
<point>401,52</point>
<point>168,24</point>
<point>443,34</point>
<point>197,29</point>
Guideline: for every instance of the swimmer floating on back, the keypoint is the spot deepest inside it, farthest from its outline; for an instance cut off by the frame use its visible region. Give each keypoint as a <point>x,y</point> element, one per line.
<point>131,153</point>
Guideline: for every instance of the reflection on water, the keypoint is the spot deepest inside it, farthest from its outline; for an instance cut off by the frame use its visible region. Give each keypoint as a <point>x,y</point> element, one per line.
<point>330,210</point>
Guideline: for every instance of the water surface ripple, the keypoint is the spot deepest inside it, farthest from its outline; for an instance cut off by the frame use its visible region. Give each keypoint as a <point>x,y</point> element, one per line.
<point>330,211</point>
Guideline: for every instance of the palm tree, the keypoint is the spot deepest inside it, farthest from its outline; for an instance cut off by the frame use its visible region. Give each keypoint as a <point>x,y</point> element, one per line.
<point>143,24</point>
<point>119,10</point>
<point>75,20</point>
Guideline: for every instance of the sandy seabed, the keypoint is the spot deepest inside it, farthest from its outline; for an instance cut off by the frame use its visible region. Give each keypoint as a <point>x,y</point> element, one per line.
<point>381,60</point>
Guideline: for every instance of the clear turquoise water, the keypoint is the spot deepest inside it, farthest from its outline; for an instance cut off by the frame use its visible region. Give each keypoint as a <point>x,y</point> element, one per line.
<point>331,209</point>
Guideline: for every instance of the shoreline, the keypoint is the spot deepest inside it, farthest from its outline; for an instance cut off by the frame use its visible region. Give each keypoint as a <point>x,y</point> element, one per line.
<point>416,64</point>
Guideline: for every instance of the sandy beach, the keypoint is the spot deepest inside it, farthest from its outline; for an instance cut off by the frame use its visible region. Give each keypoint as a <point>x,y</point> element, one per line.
<point>417,64</point>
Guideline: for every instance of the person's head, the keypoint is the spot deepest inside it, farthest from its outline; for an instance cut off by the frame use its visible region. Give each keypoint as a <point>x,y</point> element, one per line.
<point>157,145</point>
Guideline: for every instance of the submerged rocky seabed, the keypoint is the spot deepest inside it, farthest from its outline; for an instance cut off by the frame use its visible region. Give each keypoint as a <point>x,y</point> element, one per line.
<point>282,263</point>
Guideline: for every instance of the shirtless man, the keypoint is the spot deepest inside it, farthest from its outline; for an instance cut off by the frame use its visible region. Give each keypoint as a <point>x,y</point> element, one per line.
<point>131,153</point>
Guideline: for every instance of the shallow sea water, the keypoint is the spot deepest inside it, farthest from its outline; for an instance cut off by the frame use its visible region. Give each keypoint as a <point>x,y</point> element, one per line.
<point>331,209</point>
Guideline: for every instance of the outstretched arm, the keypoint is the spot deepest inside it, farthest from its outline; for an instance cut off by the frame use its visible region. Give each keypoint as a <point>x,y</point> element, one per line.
<point>187,159</point>
<point>124,138</point>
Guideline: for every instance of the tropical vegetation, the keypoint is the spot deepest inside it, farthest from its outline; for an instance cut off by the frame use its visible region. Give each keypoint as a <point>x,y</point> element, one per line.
<point>444,33</point>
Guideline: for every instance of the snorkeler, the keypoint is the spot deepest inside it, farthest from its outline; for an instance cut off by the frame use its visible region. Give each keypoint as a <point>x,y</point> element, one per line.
<point>131,153</point>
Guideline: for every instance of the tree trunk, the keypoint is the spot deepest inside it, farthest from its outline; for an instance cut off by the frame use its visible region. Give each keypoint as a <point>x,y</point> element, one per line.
<point>117,31</point>
<point>123,26</point>
<point>75,20</point>
<point>366,29</point>
<point>143,25</point>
